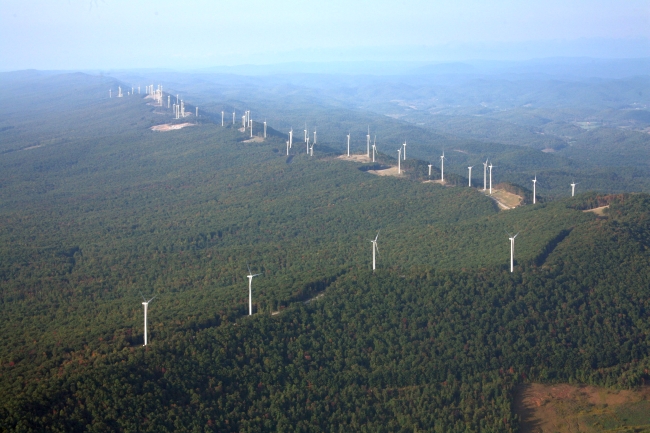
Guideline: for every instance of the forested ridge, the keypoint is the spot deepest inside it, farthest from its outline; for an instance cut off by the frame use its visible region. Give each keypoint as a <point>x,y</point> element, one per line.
<point>434,340</point>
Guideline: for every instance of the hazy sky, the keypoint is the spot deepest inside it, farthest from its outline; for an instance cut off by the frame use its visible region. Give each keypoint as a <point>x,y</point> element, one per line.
<point>84,34</point>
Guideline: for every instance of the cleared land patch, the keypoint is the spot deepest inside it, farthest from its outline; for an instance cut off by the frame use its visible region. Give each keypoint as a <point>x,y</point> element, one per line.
<point>392,171</point>
<point>170,127</point>
<point>569,408</point>
<point>505,199</point>
<point>355,158</point>
<point>600,211</point>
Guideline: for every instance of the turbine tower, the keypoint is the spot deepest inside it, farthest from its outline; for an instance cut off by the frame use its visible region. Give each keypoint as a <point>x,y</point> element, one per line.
<point>311,149</point>
<point>250,290</point>
<point>374,149</point>
<point>251,122</point>
<point>442,167</point>
<point>307,141</point>
<point>305,133</point>
<point>287,147</point>
<point>264,128</point>
<point>399,159</point>
<point>470,175</point>
<point>485,164</point>
<point>368,143</point>
<point>222,118</point>
<point>534,189</point>
<point>490,166</point>
<point>430,165</point>
<point>233,117</point>
<point>573,188</point>
<point>291,137</point>
<point>374,250</point>
<point>512,251</point>
<point>348,144</point>
<point>314,135</point>
<point>146,304</point>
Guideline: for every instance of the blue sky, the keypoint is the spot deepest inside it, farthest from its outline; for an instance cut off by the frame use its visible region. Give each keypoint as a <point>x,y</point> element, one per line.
<point>105,34</point>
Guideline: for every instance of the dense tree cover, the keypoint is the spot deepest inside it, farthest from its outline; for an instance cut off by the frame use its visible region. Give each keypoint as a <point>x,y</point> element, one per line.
<point>433,341</point>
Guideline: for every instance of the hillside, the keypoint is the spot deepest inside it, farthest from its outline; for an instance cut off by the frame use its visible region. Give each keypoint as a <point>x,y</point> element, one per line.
<point>97,208</point>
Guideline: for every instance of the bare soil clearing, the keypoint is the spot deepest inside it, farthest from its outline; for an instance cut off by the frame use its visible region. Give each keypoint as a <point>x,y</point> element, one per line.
<point>569,408</point>
<point>392,171</point>
<point>170,127</point>
<point>505,199</point>
<point>355,158</point>
<point>600,211</point>
<point>254,140</point>
<point>438,181</point>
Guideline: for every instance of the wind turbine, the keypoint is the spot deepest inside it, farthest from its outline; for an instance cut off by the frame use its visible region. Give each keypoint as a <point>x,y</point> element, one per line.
<point>534,189</point>
<point>233,117</point>
<point>250,290</point>
<point>491,166</point>
<point>314,135</point>
<point>374,149</point>
<point>287,147</point>
<point>222,118</point>
<point>512,250</point>
<point>368,143</point>
<point>485,164</point>
<point>404,150</point>
<point>311,149</point>
<point>251,123</point>
<point>470,175</point>
<point>146,304</point>
<point>573,188</point>
<point>399,158</point>
<point>348,144</point>
<point>442,167</point>
<point>305,132</point>
<point>374,249</point>
<point>430,165</point>
<point>264,128</point>
<point>307,141</point>
<point>291,137</point>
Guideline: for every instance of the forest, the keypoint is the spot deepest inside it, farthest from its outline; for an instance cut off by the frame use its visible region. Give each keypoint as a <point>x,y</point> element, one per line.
<point>97,210</point>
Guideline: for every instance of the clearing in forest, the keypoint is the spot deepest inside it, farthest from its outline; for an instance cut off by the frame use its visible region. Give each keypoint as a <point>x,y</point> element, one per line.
<point>392,171</point>
<point>505,199</point>
<point>600,211</point>
<point>569,408</point>
<point>256,139</point>
<point>170,127</point>
<point>355,158</point>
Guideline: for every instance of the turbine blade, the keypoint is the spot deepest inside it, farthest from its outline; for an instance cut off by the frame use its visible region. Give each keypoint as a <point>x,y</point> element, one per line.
<point>142,296</point>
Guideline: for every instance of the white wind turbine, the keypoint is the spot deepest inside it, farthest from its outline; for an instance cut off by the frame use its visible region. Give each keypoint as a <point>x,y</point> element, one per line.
<point>485,164</point>
<point>490,167</point>
<point>222,118</point>
<point>314,135</point>
<point>287,147</point>
<point>534,188</point>
<point>311,149</point>
<point>264,128</point>
<point>430,165</point>
<point>348,144</point>
<point>305,133</point>
<point>404,150</point>
<point>374,149</point>
<point>146,304</point>
<point>250,290</point>
<point>573,188</point>
<point>233,117</point>
<point>470,175</point>
<point>399,159</point>
<point>307,141</point>
<point>374,249</point>
<point>442,167</point>
<point>291,137</point>
<point>368,143</point>
<point>512,250</point>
